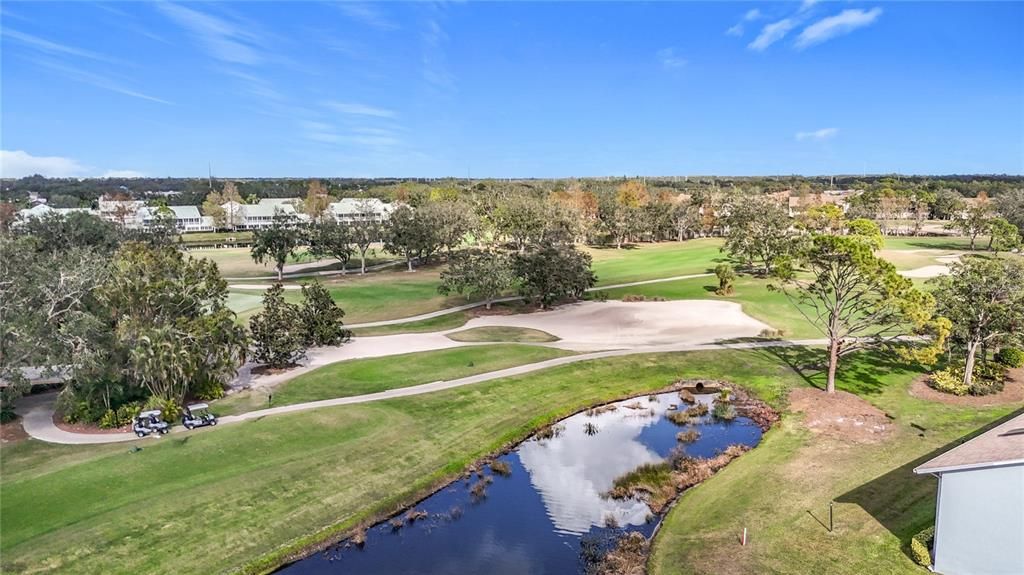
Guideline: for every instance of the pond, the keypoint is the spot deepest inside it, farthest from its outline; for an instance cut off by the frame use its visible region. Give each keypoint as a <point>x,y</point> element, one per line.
<point>536,516</point>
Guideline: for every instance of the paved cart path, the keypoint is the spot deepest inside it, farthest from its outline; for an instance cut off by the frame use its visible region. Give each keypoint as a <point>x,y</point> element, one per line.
<point>37,411</point>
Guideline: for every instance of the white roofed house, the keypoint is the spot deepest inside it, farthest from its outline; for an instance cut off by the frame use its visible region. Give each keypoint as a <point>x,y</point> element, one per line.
<point>127,213</point>
<point>261,215</point>
<point>186,218</point>
<point>41,210</point>
<point>979,508</point>
<point>360,209</point>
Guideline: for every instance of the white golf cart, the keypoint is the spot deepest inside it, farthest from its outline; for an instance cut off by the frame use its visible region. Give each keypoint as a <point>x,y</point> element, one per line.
<point>149,422</point>
<point>197,415</point>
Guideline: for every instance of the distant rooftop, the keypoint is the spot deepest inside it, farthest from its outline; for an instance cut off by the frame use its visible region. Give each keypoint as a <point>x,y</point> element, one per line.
<point>1002,445</point>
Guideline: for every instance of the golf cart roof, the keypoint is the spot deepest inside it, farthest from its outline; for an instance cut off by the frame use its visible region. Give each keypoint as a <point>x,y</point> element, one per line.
<point>151,413</point>
<point>198,406</point>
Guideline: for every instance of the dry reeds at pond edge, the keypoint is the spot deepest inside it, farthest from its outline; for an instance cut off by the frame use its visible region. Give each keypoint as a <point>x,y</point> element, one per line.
<point>629,557</point>
<point>501,468</point>
<point>601,409</point>
<point>678,417</point>
<point>659,483</point>
<point>688,436</point>
<point>697,410</point>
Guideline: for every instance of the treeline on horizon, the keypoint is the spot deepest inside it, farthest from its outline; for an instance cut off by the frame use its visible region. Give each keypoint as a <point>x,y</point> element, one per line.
<point>85,192</point>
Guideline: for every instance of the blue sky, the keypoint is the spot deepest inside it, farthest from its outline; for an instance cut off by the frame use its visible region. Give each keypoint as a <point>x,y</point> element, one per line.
<point>511,89</point>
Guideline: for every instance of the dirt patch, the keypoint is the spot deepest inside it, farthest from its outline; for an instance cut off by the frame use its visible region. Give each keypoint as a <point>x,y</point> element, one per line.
<point>1013,392</point>
<point>267,370</point>
<point>12,431</point>
<point>841,415</point>
<point>58,420</point>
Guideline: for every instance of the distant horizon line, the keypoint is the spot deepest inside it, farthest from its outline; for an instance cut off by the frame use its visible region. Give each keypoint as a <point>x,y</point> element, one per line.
<point>514,178</point>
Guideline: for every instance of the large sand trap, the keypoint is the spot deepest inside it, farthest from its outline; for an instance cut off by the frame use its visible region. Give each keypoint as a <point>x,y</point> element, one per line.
<point>584,326</point>
<point>615,324</point>
<point>934,270</point>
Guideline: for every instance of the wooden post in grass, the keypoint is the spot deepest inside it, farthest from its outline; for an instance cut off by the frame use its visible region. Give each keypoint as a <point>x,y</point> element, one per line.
<point>743,538</point>
<point>830,516</point>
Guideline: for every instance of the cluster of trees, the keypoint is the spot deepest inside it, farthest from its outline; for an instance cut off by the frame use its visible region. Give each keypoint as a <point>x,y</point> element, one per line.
<point>282,331</point>
<point>983,297</point>
<point>830,271</point>
<point>124,316</point>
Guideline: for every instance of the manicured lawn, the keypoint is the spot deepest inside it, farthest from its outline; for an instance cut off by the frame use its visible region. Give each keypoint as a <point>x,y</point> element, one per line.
<point>238,263</point>
<point>439,323</point>
<point>239,492</point>
<point>360,376</point>
<point>780,492</point>
<point>499,333</point>
<point>931,242</point>
<point>651,261</point>
<point>372,297</point>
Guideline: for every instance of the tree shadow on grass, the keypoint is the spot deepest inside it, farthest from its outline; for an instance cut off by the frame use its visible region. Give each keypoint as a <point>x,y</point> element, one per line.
<point>954,246</point>
<point>902,502</point>
<point>859,373</point>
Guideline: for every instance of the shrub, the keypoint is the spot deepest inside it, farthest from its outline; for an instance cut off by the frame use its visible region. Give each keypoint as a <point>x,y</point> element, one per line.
<point>1011,357</point>
<point>949,380</point>
<point>170,408</point>
<point>126,412</point>
<point>726,277</point>
<point>724,411</point>
<point>920,547</point>
<point>207,389</point>
<point>988,379</point>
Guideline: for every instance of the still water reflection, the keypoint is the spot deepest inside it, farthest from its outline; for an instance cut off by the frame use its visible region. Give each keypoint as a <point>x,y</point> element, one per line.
<point>533,520</point>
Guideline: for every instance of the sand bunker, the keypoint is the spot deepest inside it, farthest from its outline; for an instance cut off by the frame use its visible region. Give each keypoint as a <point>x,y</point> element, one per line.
<point>615,324</point>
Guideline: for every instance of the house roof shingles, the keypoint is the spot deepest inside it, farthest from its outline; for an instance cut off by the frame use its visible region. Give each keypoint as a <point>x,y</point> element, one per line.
<point>999,446</point>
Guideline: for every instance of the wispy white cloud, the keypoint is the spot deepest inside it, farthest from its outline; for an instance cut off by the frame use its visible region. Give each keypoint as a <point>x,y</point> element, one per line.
<point>434,67</point>
<point>772,33</point>
<point>18,164</point>
<point>356,109</point>
<point>367,14</point>
<point>807,5</point>
<point>843,23</point>
<point>97,80</point>
<point>224,40</point>
<point>749,16</point>
<point>669,58</point>
<point>817,135</point>
<point>123,174</point>
<point>54,48</point>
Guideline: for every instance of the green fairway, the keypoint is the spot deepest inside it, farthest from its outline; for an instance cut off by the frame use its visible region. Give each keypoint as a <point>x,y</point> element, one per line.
<point>653,261</point>
<point>360,376</point>
<point>439,323</point>
<point>931,243</point>
<point>373,297</point>
<point>500,333</point>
